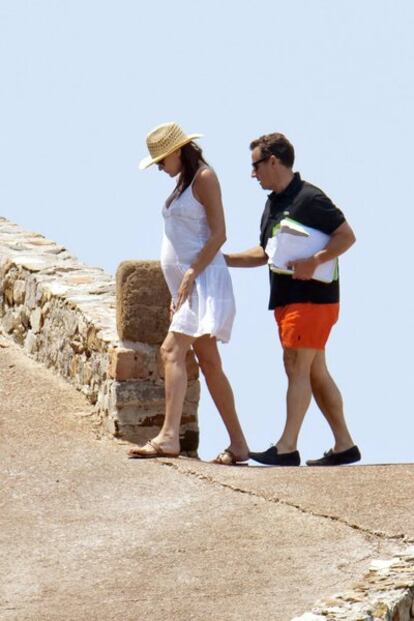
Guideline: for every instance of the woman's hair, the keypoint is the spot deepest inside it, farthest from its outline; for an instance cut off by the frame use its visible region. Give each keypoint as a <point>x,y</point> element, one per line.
<point>191,158</point>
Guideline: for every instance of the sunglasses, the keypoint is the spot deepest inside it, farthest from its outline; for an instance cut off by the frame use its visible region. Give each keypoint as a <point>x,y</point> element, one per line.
<point>161,162</point>
<point>255,165</point>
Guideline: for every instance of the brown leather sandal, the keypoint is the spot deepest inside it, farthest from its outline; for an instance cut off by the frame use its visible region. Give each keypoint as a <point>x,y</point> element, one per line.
<point>228,458</point>
<point>155,450</point>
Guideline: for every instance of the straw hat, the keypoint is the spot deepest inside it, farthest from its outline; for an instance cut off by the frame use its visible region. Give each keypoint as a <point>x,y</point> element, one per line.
<point>164,140</point>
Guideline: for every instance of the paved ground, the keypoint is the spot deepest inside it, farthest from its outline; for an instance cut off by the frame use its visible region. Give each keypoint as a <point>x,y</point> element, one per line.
<point>87,534</point>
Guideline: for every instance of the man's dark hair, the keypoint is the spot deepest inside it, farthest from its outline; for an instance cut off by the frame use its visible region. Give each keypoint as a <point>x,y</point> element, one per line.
<point>277,145</point>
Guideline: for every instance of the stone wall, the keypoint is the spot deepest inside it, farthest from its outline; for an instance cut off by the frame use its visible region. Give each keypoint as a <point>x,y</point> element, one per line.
<point>386,593</point>
<point>65,315</point>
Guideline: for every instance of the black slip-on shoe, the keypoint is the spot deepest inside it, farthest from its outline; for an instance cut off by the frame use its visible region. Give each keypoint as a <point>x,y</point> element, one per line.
<point>330,458</point>
<point>271,457</point>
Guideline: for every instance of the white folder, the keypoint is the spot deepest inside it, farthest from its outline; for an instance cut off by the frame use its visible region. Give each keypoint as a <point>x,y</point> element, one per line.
<point>294,241</point>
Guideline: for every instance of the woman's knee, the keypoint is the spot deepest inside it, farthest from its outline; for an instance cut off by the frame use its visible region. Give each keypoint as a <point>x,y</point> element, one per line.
<point>208,358</point>
<point>167,352</point>
<point>209,365</point>
<point>171,352</point>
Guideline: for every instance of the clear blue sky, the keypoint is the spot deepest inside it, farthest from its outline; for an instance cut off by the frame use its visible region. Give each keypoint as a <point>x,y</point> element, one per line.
<point>82,82</point>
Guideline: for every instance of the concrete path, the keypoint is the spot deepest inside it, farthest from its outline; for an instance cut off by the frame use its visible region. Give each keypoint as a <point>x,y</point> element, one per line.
<point>87,534</point>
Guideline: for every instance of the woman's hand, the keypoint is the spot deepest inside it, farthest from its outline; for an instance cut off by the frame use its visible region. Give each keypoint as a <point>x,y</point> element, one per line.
<point>186,288</point>
<point>172,309</point>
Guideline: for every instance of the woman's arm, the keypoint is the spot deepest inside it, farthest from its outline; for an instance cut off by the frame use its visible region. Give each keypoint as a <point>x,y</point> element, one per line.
<point>207,191</point>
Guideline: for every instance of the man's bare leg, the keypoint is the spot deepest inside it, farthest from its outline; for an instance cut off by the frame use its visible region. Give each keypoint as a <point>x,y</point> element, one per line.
<point>329,400</point>
<point>298,363</point>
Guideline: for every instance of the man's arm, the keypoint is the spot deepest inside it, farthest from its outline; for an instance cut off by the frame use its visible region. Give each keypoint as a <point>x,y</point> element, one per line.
<point>254,257</point>
<point>341,240</point>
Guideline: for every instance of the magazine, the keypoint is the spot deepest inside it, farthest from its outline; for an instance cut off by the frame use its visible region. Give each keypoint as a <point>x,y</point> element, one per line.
<point>294,241</point>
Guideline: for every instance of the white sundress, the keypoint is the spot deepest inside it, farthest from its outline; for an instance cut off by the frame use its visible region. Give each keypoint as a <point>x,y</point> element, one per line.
<point>211,309</point>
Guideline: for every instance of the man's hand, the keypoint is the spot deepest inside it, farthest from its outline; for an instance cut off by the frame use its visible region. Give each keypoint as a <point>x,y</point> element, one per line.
<point>341,239</point>
<point>303,269</point>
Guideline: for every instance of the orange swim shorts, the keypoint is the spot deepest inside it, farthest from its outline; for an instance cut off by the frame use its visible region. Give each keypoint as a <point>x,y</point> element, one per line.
<point>305,325</point>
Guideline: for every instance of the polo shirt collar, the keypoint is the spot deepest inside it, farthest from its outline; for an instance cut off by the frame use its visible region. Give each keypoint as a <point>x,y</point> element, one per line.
<point>290,190</point>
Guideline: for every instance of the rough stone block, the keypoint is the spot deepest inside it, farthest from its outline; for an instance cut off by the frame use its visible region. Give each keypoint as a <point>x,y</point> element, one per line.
<point>142,302</point>
<point>5,264</point>
<point>36,320</point>
<point>8,292</point>
<point>190,411</point>
<point>132,433</point>
<point>135,415</point>
<point>136,392</point>
<point>30,343</point>
<point>19,291</point>
<point>193,392</point>
<point>189,437</point>
<point>125,364</point>
<point>32,294</point>
<point>11,320</point>
<point>149,417</point>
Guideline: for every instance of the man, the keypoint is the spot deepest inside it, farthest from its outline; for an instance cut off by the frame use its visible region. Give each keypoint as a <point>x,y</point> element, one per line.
<point>305,309</point>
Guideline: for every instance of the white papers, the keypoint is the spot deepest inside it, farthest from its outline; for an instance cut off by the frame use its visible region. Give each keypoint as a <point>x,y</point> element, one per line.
<point>295,241</point>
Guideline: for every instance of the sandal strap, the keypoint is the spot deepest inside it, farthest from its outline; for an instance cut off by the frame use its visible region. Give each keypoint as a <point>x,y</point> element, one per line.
<point>227,452</point>
<point>155,446</point>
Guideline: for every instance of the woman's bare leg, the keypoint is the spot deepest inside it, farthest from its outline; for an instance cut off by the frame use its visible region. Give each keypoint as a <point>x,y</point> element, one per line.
<point>219,387</point>
<point>173,352</point>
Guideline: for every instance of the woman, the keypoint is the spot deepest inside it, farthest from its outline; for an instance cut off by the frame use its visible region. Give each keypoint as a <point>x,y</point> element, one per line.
<point>202,306</point>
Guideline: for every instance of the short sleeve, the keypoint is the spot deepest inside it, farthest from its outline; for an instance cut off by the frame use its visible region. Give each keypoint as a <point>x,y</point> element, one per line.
<point>322,214</point>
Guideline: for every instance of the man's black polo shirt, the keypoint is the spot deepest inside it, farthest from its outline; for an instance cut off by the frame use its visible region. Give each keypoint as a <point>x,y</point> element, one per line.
<point>307,204</point>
